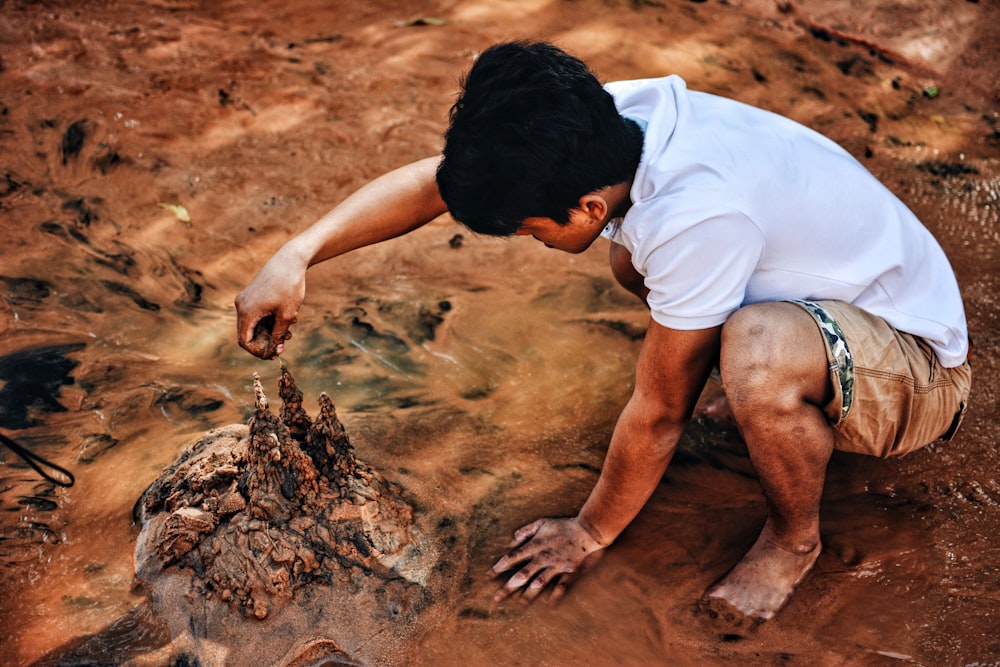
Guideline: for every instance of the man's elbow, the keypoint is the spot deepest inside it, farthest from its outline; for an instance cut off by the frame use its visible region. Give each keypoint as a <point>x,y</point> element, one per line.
<point>661,426</point>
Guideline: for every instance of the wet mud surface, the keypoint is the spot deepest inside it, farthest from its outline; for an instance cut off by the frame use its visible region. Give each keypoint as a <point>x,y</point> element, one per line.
<point>155,154</point>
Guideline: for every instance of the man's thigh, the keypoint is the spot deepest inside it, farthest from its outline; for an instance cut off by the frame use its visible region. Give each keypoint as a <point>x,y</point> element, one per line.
<point>891,395</point>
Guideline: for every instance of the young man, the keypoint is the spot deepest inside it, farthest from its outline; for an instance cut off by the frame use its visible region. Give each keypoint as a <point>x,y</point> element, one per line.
<point>759,246</point>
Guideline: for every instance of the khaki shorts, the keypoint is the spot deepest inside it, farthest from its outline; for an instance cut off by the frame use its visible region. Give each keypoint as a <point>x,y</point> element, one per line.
<point>891,395</point>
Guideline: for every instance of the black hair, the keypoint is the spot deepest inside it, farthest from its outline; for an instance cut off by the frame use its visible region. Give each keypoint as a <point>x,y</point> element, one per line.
<point>532,131</point>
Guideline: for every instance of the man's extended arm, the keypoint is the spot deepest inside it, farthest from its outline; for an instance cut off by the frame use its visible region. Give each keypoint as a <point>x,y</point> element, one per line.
<point>389,206</point>
<point>672,369</point>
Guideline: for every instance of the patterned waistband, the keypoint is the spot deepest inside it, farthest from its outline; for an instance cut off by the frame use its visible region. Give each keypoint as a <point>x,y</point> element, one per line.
<point>842,362</point>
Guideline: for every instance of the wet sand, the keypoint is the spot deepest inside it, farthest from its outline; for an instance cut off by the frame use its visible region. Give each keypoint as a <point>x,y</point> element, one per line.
<point>487,395</point>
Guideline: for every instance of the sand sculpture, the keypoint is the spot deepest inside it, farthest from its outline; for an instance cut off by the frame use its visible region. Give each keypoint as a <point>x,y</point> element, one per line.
<point>253,517</point>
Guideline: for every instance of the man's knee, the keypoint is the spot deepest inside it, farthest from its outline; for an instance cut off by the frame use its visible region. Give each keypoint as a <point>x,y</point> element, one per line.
<point>754,337</point>
<point>772,352</point>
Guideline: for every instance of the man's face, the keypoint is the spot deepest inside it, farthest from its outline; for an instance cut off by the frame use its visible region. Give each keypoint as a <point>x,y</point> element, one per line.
<point>574,237</point>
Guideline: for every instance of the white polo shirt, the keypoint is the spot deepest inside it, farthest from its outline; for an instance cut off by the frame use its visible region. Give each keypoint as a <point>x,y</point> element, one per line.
<point>734,205</point>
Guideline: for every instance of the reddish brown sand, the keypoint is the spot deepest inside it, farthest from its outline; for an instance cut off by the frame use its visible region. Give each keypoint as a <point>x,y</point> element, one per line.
<point>481,376</point>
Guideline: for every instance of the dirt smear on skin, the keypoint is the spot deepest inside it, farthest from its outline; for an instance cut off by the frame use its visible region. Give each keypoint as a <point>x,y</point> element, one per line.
<point>155,154</point>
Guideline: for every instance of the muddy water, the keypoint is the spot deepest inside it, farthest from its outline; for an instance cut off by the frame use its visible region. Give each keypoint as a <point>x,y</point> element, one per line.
<point>482,376</point>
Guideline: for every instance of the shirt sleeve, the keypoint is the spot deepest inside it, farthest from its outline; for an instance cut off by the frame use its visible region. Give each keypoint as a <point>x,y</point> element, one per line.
<point>699,276</point>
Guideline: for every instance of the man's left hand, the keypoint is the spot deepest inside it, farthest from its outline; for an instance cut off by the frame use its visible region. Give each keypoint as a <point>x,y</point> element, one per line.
<point>546,552</point>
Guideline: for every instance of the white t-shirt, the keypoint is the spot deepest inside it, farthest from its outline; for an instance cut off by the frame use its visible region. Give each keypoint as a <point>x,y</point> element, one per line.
<point>735,205</point>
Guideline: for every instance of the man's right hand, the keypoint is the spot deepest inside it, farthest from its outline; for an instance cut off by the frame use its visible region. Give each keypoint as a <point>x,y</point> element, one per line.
<point>389,206</point>
<point>268,306</point>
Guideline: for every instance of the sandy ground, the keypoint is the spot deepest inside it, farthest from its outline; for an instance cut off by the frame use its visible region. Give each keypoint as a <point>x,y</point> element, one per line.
<point>258,118</point>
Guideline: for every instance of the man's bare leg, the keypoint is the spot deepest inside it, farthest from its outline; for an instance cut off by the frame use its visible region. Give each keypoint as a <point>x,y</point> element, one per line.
<point>775,375</point>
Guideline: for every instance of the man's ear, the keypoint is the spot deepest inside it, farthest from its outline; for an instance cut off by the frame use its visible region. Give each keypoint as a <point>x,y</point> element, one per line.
<point>594,205</point>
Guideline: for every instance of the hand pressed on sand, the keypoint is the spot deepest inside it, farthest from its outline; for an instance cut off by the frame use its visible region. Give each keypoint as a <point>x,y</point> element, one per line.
<point>543,553</point>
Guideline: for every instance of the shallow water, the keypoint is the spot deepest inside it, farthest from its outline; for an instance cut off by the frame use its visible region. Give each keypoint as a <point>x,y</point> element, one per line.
<point>463,370</point>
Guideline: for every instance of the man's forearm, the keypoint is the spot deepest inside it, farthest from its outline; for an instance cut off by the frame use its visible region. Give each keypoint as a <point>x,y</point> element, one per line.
<point>640,450</point>
<point>389,206</point>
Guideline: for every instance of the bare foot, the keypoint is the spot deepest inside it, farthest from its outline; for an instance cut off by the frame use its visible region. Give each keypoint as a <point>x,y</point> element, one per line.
<point>762,582</point>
